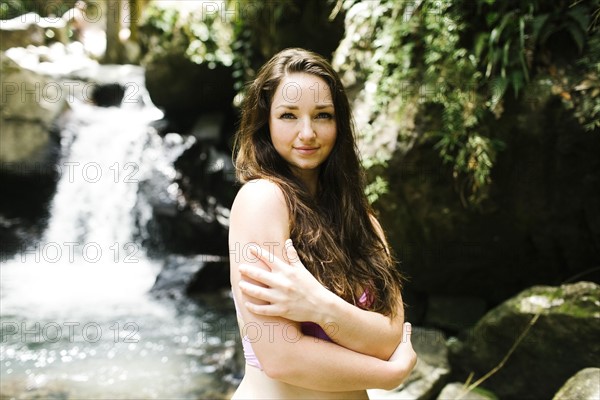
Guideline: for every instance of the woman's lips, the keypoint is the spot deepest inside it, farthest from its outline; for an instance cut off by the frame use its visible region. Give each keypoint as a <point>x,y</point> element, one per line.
<point>306,150</point>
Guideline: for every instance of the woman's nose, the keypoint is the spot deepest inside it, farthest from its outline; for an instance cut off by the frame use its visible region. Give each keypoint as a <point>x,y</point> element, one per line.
<point>306,130</point>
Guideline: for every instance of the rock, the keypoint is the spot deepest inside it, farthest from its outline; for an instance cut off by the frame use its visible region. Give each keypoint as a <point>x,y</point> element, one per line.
<point>30,103</point>
<point>31,29</point>
<point>454,313</point>
<point>563,341</point>
<point>21,31</point>
<point>540,224</point>
<point>454,391</point>
<point>184,201</point>
<point>213,276</point>
<point>584,385</point>
<point>183,275</point>
<point>30,120</point>
<point>430,373</point>
<point>109,95</point>
<point>185,89</point>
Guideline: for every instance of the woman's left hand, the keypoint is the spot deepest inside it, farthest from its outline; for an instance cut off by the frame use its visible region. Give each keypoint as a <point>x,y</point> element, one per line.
<point>292,291</point>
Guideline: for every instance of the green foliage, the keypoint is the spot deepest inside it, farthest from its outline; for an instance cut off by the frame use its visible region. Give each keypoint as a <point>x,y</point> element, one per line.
<point>586,94</point>
<point>200,36</point>
<point>468,55</point>
<point>376,188</point>
<point>262,28</point>
<point>45,8</point>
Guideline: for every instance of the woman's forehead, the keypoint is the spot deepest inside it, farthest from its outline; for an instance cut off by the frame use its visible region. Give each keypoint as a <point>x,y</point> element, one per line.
<point>302,89</point>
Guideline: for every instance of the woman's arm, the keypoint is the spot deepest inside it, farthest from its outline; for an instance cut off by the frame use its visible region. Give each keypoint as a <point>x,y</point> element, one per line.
<point>259,216</point>
<point>290,291</point>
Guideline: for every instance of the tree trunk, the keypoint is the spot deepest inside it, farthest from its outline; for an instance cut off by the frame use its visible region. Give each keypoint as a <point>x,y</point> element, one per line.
<point>135,11</point>
<point>114,47</point>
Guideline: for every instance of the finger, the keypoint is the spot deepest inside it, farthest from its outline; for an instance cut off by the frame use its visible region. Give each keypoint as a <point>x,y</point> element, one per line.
<point>407,333</point>
<point>292,254</point>
<point>263,309</point>
<point>258,274</point>
<point>264,255</point>
<point>256,291</point>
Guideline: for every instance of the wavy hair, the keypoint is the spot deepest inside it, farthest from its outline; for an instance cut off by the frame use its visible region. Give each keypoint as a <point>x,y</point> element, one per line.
<point>332,231</point>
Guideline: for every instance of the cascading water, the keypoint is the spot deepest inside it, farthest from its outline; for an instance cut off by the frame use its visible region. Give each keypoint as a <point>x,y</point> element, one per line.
<point>76,318</point>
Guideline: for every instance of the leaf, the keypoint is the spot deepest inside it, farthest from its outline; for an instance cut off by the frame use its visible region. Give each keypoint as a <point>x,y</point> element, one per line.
<point>522,33</point>
<point>524,65</point>
<point>547,31</point>
<point>491,18</point>
<point>505,54</point>
<point>480,41</point>
<point>516,78</point>
<point>498,87</point>
<point>538,23</point>
<point>581,16</point>
<point>494,36</point>
<point>576,33</point>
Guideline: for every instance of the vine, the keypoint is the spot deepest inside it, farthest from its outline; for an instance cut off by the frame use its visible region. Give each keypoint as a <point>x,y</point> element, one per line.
<point>460,60</point>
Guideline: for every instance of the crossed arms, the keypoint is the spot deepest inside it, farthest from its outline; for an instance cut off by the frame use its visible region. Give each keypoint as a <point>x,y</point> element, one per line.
<point>355,361</point>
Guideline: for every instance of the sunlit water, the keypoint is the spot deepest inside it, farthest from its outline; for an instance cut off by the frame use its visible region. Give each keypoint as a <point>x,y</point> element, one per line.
<point>77,320</point>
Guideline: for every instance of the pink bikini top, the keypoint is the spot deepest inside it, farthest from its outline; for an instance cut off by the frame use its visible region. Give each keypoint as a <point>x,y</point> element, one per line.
<point>308,328</point>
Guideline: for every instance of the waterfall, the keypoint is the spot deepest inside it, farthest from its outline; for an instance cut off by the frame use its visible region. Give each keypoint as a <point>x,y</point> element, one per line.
<point>76,319</point>
<point>88,255</point>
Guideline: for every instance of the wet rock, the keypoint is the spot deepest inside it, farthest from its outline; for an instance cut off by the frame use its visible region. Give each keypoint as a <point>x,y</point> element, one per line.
<point>184,275</point>
<point>109,95</point>
<point>30,104</point>
<point>540,224</point>
<point>561,342</point>
<point>185,89</point>
<point>584,385</point>
<point>30,121</point>
<point>430,373</point>
<point>454,313</point>
<point>454,391</point>
<point>21,32</point>
<point>214,275</point>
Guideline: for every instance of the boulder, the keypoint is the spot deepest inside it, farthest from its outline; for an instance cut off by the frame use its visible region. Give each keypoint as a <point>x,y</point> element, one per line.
<point>584,385</point>
<point>183,203</point>
<point>182,276</point>
<point>454,313</point>
<point>31,29</point>
<point>30,103</point>
<point>456,390</point>
<point>21,31</point>
<point>562,341</point>
<point>429,375</point>
<point>185,89</point>
<point>540,224</point>
<point>30,106</point>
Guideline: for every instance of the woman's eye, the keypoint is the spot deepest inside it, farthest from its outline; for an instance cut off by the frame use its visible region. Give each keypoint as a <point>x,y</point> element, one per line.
<point>287,116</point>
<point>325,115</point>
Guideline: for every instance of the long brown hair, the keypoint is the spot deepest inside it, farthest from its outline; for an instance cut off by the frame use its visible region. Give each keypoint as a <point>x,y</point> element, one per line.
<point>332,232</point>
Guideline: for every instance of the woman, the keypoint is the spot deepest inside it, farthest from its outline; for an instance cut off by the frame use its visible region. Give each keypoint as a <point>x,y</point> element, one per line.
<point>331,324</point>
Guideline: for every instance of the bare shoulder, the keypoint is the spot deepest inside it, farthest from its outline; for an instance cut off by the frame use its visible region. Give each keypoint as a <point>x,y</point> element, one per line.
<point>259,195</point>
<point>259,212</point>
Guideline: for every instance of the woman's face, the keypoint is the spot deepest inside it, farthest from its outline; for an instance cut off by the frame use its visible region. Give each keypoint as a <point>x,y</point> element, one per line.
<point>302,122</point>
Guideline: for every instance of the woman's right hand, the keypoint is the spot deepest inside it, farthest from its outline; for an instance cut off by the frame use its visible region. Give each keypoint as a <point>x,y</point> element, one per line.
<point>404,358</point>
<point>289,289</point>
